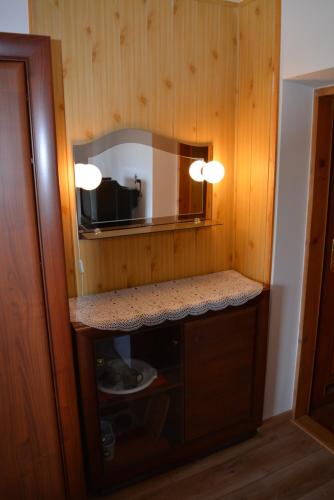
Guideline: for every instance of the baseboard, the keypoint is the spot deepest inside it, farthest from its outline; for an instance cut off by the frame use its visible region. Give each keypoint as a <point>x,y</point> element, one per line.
<point>278,419</point>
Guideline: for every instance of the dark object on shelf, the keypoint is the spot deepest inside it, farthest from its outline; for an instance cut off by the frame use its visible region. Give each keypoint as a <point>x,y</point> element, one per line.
<point>124,376</point>
<point>123,421</point>
<point>120,373</point>
<point>108,439</point>
<point>129,380</point>
<point>109,202</point>
<point>208,393</point>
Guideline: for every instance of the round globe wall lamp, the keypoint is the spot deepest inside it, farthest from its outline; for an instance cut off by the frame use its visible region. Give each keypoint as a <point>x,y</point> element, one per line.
<point>212,172</point>
<point>87,176</point>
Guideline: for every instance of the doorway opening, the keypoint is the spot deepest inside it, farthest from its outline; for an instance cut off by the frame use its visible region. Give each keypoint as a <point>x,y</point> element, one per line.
<point>314,397</point>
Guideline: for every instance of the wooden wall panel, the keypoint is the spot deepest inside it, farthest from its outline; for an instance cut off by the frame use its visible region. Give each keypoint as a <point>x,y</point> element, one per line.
<point>126,261</point>
<point>66,178</point>
<point>199,70</point>
<point>169,66</point>
<point>256,137</point>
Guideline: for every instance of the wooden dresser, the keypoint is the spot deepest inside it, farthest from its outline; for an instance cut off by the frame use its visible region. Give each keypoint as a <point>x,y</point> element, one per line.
<point>207,391</point>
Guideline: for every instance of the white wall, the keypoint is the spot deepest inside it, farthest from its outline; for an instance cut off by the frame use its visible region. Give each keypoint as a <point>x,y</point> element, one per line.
<point>306,47</point>
<point>289,243</point>
<point>307,36</point>
<point>14,17</point>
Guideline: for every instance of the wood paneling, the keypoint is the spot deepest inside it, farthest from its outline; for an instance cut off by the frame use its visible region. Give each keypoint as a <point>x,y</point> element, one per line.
<point>66,178</point>
<point>169,66</point>
<point>256,137</point>
<point>172,66</point>
<point>129,261</point>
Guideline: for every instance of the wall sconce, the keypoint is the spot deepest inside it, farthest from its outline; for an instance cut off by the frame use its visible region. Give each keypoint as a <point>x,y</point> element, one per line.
<point>196,170</point>
<point>87,176</point>
<point>212,172</point>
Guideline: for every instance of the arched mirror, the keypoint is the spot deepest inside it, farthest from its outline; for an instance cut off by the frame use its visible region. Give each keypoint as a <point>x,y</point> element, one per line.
<point>144,181</point>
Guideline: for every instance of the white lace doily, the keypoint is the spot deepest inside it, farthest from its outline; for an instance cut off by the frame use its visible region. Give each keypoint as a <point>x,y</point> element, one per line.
<point>131,308</point>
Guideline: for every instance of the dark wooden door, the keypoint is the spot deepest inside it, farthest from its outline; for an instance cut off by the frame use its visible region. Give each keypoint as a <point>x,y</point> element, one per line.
<point>220,364</point>
<point>323,379</point>
<point>31,465</point>
<point>40,451</point>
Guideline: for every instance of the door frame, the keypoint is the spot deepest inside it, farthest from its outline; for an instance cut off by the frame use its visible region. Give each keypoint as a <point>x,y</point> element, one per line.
<point>35,52</point>
<point>313,266</point>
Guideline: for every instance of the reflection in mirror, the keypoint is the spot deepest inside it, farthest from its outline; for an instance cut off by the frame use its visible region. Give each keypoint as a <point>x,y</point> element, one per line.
<point>145,181</point>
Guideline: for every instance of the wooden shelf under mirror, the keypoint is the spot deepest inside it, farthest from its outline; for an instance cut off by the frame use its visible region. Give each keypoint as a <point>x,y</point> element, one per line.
<point>100,233</point>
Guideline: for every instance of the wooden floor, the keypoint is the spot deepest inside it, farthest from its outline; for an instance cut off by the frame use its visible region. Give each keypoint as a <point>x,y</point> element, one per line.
<point>281,462</point>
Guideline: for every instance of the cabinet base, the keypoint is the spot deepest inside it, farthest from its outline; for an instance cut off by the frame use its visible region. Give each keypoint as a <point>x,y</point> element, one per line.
<point>190,452</point>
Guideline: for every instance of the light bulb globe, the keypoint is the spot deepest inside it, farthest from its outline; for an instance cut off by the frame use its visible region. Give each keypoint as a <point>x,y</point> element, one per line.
<point>213,172</point>
<point>87,176</point>
<point>196,170</point>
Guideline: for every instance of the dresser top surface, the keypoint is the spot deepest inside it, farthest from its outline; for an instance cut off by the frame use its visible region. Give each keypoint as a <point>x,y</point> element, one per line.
<point>149,305</point>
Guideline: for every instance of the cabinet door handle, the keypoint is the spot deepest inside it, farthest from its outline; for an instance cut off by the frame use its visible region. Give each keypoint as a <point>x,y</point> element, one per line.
<point>332,258</point>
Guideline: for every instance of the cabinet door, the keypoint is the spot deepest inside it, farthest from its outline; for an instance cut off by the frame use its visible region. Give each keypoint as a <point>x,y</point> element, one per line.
<point>219,367</point>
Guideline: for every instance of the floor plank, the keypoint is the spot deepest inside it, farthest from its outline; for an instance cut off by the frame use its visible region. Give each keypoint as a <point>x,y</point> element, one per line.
<point>280,462</point>
<point>292,482</point>
<point>324,491</point>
